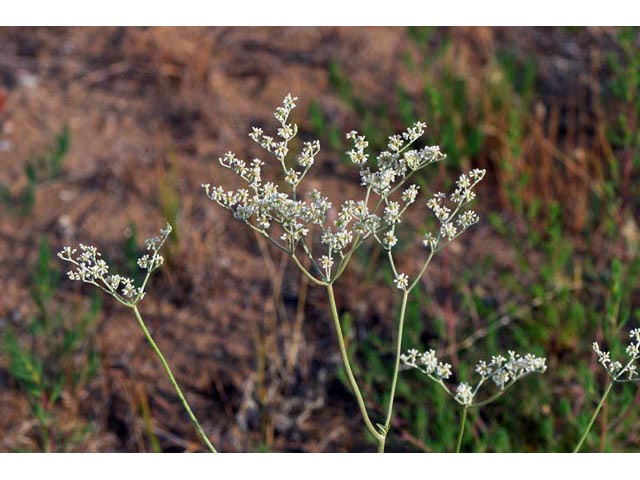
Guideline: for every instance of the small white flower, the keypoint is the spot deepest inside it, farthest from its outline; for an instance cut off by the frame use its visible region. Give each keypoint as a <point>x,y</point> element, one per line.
<point>463,182</point>
<point>401,281</point>
<point>596,348</point>
<point>392,213</point>
<point>464,394</point>
<point>604,358</point>
<point>477,174</point>
<point>412,159</point>
<point>389,240</point>
<point>434,202</point>
<point>430,241</point>
<point>326,262</point>
<point>114,282</point>
<point>410,357</point>
<point>501,378</point>
<point>497,361</point>
<point>256,134</point>
<point>286,132</point>
<point>483,369</point>
<point>443,370</point>
<point>292,177</point>
<point>280,150</point>
<point>466,219</point>
<point>410,194</point>
<point>448,231</point>
<point>615,367</point>
<point>429,360</point>
<point>143,262</point>
<point>395,143</point>
<point>359,158</point>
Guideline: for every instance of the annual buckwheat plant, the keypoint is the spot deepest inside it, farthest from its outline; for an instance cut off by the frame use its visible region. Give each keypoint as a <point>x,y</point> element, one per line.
<point>500,372</point>
<point>91,268</point>
<point>313,231</point>
<point>617,372</point>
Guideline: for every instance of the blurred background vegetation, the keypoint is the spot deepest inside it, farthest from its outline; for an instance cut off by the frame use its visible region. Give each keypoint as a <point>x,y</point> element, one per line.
<point>107,132</point>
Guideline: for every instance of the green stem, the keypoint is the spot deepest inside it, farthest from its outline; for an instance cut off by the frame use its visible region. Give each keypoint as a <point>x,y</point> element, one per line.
<point>593,418</point>
<point>461,433</point>
<point>422,270</point>
<point>203,436</point>
<point>347,367</point>
<point>396,367</point>
<point>306,272</point>
<point>308,252</point>
<point>345,261</point>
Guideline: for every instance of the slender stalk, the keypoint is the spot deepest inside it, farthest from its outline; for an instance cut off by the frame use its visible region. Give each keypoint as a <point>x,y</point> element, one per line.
<point>392,263</point>
<point>172,379</point>
<point>461,433</point>
<point>594,416</point>
<point>268,237</point>
<point>306,272</point>
<point>396,366</point>
<point>422,270</point>
<point>312,260</point>
<point>345,261</point>
<point>347,367</point>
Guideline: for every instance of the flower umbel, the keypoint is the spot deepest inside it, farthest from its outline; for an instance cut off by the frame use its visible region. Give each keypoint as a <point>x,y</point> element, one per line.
<point>614,368</point>
<point>265,206</point>
<point>503,372</point>
<point>93,269</point>
<point>449,210</point>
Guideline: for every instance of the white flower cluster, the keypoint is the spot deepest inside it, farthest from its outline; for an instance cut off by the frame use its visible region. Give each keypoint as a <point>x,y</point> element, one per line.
<point>286,131</point>
<point>427,362</point>
<point>616,370</point>
<point>268,205</point>
<point>394,164</point>
<point>92,269</point>
<point>453,220</point>
<point>504,372</point>
<point>280,149</point>
<point>264,205</point>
